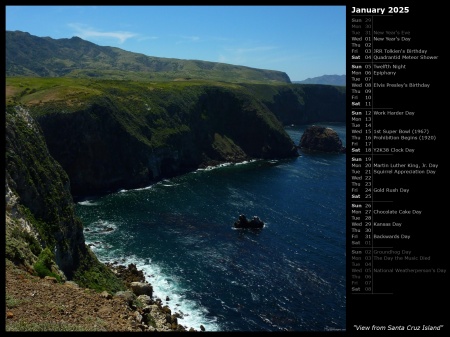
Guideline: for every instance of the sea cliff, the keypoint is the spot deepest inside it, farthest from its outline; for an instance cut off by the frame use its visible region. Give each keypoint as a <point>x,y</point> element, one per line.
<point>109,135</point>
<point>43,233</point>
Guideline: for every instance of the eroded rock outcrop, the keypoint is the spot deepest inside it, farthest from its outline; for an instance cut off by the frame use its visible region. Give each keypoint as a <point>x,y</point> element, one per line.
<point>243,222</point>
<point>323,139</point>
<point>127,274</point>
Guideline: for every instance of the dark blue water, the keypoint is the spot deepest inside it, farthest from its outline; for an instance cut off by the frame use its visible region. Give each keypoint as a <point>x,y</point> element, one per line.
<point>289,275</point>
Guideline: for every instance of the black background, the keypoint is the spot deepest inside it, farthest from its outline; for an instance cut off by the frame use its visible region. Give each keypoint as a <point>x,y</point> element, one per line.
<point>410,299</point>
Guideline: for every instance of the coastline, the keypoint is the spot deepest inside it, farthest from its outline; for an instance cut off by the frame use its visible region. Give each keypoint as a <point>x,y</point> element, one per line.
<point>165,318</point>
<point>43,304</point>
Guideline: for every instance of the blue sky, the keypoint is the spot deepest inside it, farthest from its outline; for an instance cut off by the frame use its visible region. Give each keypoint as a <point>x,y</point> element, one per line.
<point>303,41</point>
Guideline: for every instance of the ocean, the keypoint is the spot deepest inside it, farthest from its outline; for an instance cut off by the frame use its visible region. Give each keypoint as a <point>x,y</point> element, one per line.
<point>287,276</point>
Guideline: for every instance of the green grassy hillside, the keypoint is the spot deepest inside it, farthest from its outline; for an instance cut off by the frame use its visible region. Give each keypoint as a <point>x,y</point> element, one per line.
<point>29,55</point>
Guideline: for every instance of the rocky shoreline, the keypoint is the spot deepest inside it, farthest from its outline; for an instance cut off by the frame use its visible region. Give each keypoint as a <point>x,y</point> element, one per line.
<point>149,312</point>
<point>44,304</point>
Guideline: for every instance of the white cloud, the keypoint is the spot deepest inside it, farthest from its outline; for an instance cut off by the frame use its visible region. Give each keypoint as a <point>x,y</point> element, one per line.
<point>143,38</point>
<point>86,32</point>
<point>251,50</point>
<point>239,55</point>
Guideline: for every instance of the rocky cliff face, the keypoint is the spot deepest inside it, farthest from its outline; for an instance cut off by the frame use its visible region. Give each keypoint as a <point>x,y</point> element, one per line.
<point>114,143</point>
<point>42,186</point>
<point>39,206</point>
<point>302,103</point>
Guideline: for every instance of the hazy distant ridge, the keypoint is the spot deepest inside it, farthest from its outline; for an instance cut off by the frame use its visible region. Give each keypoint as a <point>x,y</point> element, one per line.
<point>325,79</point>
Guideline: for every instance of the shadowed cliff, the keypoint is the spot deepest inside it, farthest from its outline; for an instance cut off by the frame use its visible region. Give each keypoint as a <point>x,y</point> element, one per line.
<point>41,226</point>
<point>109,135</point>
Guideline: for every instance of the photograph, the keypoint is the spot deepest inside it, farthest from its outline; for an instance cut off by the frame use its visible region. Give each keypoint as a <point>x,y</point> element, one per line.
<point>212,168</point>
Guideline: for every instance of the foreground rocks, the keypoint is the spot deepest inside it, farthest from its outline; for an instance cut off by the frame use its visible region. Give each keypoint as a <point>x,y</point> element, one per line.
<point>150,314</point>
<point>35,304</point>
<point>243,222</point>
<point>319,138</point>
